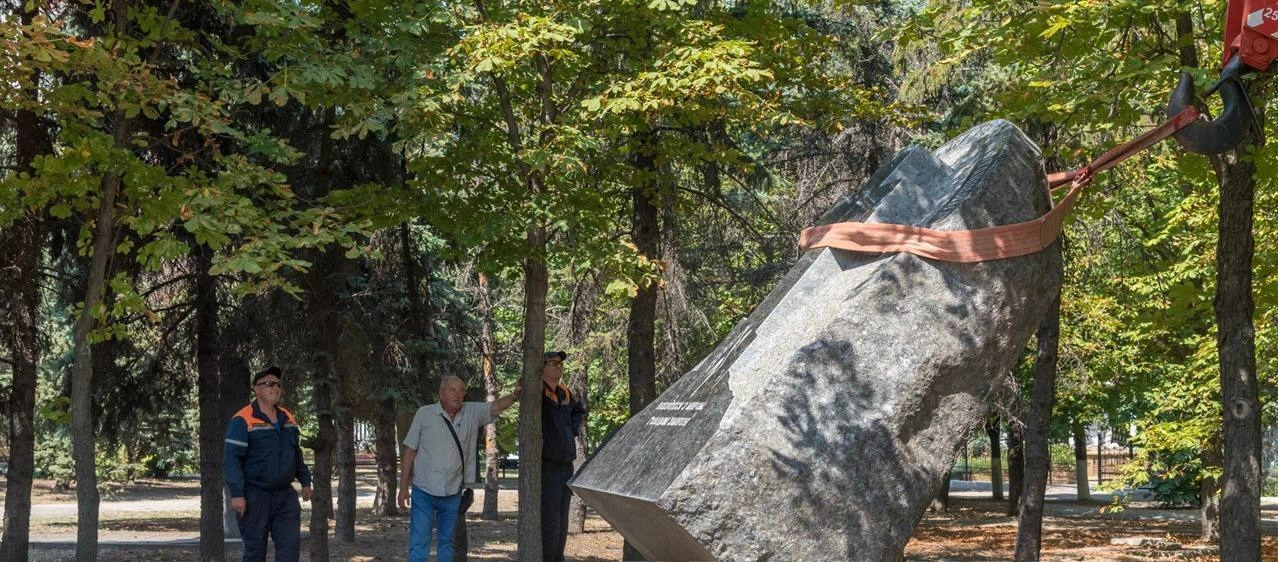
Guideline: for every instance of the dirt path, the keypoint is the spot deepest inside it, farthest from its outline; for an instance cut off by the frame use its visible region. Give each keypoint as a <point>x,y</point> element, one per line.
<point>160,521</point>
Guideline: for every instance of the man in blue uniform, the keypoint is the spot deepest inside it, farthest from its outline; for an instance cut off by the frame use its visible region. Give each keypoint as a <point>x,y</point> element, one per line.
<point>263,455</point>
<point>561,417</point>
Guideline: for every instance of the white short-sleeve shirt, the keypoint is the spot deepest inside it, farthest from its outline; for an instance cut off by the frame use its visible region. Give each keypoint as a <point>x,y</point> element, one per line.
<point>437,468</point>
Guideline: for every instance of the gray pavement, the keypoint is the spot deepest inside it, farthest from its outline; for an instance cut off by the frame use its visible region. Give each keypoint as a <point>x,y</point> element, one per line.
<point>1062,499</point>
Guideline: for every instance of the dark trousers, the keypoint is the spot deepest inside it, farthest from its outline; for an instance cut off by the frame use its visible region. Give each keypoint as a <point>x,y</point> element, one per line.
<point>277,513</point>
<point>555,497</point>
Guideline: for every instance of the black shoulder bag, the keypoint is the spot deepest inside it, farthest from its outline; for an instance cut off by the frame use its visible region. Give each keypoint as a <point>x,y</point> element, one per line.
<point>467,494</point>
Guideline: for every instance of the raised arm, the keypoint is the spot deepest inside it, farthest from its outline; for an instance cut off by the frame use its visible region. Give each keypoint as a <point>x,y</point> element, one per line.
<point>499,405</point>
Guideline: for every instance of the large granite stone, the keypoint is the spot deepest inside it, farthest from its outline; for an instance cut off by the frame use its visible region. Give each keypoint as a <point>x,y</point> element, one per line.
<point>821,426</point>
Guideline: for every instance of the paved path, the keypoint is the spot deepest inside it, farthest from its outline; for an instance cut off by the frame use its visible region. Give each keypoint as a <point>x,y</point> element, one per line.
<point>1061,499</point>
<point>188,502</point>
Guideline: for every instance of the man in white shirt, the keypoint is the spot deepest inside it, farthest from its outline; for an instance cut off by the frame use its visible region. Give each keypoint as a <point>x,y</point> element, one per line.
<point>433,465</point>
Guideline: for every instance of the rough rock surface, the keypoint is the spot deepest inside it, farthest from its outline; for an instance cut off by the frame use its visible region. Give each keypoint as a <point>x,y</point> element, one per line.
<point>821,426</point>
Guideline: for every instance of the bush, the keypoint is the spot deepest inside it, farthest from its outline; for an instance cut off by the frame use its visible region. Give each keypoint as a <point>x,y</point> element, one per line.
<point>53,461</point>
<point>1173,478</point>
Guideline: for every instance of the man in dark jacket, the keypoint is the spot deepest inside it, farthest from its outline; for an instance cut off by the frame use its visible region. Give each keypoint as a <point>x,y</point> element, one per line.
<point>263,455</point>
<point>561,417</point>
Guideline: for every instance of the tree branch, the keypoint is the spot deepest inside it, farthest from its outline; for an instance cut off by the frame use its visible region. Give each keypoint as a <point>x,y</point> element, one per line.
<point>166,283</point>
<point>718,202</point>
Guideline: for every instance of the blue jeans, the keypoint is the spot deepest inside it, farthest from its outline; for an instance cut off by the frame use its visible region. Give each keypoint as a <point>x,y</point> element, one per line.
<point>426,514</point>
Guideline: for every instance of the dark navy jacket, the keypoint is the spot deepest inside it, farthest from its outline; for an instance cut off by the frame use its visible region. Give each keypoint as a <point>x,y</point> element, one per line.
<point>259,455</point>
<point>560,422</point>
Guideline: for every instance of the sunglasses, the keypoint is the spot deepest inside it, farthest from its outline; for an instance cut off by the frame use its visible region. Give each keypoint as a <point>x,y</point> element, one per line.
<point>270,384</point>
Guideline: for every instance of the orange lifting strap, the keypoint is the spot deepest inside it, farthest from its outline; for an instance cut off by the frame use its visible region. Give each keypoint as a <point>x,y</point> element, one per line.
<point>985,244</point>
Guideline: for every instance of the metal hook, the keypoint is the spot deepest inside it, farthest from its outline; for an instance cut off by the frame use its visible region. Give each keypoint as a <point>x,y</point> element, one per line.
<point>1227,130</point>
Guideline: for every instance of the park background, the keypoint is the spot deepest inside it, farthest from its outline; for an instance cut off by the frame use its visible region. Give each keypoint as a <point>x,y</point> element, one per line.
<point>373,194</point>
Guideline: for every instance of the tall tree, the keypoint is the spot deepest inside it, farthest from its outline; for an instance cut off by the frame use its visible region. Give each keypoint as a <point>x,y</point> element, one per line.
<point>1236,345</point>
<point>324,284</point>
<point>212,419</point>
<point>641,348</point>
<point>1235,331</point>
<point>103,245</point>
<point>21,246</point>
<point>132,85</point>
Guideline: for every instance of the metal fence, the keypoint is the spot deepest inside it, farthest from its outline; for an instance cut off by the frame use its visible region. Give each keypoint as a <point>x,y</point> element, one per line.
<point>1106,468</point>
<point>364,436</point>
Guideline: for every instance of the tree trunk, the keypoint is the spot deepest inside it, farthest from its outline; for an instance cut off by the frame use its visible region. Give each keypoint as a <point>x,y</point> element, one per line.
<point>1080,461</point>
<point>996,457</point>
<point>236,384</point>
<point>419,322</point>
<point>83,441</point>
<point>536,280</point>
<point>344,420</point>
<point>941,503</point>
<point>20,249</point>
<point>82,437</point>
<point>641,329</point>
<point>1236,345</point>
<point>212,420</point>
<point>384,449</point>
<point>1029,530</point>
<point>461,537</point>
<point>1100,456</point>
<point>387,459</point>
<point>488,356</point>
<point>324,280</point>
<point>1235,331</point>
<point>20,256</point>
<point>322,444</point>
<point>322,473</point>
<point>345,521</point>
<point>461,540</point>
<point>1015,466</point>
<point>530,437</point>
<point>1209,492</point>
<point>583,304</point>
<point>577,508</point>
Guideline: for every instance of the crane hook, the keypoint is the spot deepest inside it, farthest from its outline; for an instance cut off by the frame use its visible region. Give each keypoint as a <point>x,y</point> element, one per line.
<point>1227,130</point>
